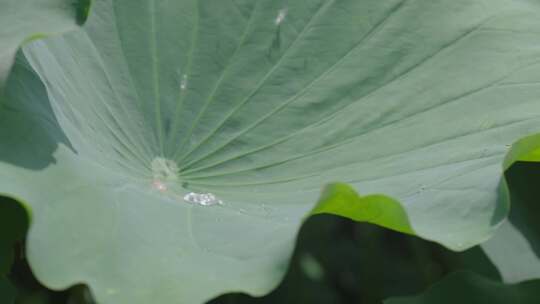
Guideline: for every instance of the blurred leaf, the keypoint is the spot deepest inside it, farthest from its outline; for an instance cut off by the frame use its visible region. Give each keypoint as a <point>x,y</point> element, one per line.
<point>13,225</point>
<point>467,287</point>
<point>80,295</point>
<point>7,292</point>
<point>14,220</point>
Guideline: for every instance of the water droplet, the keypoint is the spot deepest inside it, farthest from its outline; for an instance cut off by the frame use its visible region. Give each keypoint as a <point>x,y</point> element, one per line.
<point>184,82</point>
<point>267,210</point>
<point>281,16</point>
<point>203,199</point>
<point>159,185</point>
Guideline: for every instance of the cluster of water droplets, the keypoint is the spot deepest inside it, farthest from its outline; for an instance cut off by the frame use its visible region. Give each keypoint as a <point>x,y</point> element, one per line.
<point>183,82</point>
<point>166,180</point>
<point>159,185</point>
<point>204,199</point>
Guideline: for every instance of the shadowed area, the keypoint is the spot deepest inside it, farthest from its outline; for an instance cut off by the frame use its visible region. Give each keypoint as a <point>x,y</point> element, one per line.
<point>14,221</point>
<point>27,120</point>
<point>340,261</point>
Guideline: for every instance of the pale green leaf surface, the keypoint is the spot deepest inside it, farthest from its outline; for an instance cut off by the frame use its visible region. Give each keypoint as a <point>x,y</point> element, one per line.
<point>416,100</point>
<point>23,20</point>
<point>468,287</point>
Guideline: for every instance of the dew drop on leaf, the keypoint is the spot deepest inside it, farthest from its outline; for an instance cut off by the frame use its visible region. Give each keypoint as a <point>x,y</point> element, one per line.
<point>183,82</point>
<point>203,199</point>
<point>281,16</point>
<point>159,185</point>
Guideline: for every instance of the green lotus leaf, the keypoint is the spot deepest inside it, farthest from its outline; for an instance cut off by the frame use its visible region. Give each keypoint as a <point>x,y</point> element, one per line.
<point>342,200</point>
<point>525,150</point>
<point>468,287</point>
<point>24,20</point>
<point>180,144</point>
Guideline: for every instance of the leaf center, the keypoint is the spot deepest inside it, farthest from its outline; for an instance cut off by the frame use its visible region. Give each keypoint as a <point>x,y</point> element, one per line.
<point>164,169</point>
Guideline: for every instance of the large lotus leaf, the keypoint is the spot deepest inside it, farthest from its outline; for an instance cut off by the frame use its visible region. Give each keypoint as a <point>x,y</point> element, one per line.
<point>23,20</point>
<point>260,103</point>
<point>468,287</point>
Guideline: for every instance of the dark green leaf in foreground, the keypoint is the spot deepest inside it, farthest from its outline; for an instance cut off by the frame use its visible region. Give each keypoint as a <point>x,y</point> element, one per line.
<point>24,20</point>
<point>467,287</point>
<point>13,226</point>
<point>261,104</point>
<point>7,292</point>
